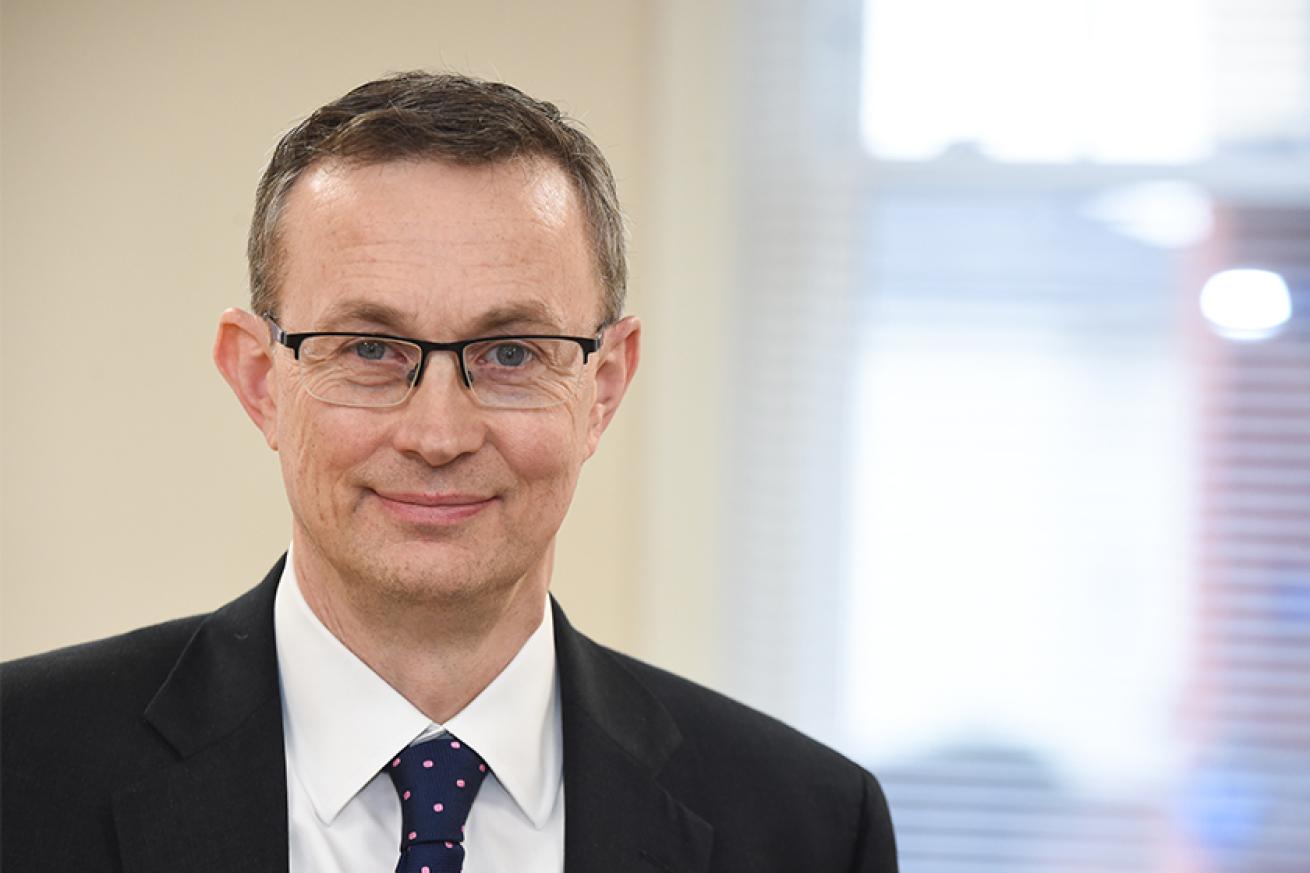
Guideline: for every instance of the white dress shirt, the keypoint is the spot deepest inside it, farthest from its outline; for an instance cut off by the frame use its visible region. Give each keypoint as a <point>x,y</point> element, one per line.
<point>343,724</point>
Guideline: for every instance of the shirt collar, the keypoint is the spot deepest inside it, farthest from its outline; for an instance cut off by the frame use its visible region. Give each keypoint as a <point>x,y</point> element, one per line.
<point>343,722</point>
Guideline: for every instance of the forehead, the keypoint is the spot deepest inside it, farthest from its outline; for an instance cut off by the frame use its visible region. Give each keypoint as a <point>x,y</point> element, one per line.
<point>436,248</point>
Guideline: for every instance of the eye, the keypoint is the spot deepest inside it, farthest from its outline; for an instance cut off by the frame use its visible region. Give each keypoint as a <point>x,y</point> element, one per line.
<point>510,354</point>
<point>370,350</point>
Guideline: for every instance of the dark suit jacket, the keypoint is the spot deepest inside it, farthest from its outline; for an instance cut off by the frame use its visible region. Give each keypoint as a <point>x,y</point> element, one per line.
<point>160,751</point>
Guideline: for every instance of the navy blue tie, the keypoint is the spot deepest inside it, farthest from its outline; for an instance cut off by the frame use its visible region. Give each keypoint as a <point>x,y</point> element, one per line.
<point>436,781</point>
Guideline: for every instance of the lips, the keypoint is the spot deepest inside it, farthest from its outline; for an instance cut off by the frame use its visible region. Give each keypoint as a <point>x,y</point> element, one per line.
<point>432,508</point>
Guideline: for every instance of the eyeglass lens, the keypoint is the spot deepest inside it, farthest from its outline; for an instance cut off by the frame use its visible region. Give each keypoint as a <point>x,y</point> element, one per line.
<point>504,372</point>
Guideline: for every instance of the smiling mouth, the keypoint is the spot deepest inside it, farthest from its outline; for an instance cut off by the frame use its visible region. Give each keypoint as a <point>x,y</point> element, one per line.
<point>432,509</point>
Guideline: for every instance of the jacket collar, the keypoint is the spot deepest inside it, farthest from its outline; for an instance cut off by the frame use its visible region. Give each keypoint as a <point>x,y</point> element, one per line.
<point>222,805</point>
<point>617,739</point>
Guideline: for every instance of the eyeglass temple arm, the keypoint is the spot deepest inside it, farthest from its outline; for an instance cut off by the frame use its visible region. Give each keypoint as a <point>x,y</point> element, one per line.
<point>280,336</point>
<point>598,340</point>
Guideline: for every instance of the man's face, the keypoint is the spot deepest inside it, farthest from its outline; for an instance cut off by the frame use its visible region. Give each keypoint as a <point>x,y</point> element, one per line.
<point>440,496</point>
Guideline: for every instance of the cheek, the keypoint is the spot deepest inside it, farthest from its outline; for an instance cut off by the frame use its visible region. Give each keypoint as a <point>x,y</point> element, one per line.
<point>316,453</point>
<point>547,457</point>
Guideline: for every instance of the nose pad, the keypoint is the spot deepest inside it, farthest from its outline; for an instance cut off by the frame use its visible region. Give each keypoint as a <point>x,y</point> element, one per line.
<point>439,422</point>
<point>465,377</point>
<point>421,372</point>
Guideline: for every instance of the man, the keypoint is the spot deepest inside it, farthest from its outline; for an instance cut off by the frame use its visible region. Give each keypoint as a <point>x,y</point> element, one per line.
<point>436,345</point>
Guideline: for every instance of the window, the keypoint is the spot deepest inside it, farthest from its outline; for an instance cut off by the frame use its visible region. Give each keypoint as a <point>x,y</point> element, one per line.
<point>1013,524</point>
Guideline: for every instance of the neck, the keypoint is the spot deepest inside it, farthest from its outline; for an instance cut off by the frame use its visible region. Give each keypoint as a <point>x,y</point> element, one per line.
<point>438,649</point>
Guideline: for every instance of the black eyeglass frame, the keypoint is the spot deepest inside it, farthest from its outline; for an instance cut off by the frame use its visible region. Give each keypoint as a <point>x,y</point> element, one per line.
<point>590,345</point>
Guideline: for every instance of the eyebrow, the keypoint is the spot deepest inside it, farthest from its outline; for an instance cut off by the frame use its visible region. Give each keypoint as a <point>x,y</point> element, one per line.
<point>347,311</point>
<point>521,315</point>
<point>525,314</point>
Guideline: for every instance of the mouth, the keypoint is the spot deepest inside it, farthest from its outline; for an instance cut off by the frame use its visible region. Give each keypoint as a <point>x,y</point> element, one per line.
<point>432,508</point>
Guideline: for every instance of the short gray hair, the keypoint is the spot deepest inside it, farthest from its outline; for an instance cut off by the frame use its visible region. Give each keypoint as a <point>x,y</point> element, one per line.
<point>442,116</point>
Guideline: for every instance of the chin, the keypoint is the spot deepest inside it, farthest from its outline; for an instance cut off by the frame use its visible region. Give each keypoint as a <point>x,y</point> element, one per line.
<point>415,578</point>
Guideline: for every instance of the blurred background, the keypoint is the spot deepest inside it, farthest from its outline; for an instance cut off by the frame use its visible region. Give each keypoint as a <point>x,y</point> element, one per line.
<point>973,429</point>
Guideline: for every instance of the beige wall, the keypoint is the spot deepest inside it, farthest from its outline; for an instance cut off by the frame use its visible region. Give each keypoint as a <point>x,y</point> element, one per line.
<point>134,488</point>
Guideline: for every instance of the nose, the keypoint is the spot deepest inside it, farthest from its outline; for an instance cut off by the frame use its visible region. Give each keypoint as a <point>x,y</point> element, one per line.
<point>440,420</point>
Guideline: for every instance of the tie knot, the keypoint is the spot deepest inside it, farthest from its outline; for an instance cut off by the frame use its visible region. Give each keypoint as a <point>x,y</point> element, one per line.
<point>436,781</point>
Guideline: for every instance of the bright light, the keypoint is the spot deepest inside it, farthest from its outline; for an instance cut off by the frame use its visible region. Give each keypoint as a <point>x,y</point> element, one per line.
<point>1026,461</point>
<point>1166,214</point>
<point>1246,304</point>
<point>1111,81</point>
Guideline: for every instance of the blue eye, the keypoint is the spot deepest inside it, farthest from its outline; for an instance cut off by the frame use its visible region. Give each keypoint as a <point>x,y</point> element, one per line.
<point>371,350</point>
<point>509,355</point>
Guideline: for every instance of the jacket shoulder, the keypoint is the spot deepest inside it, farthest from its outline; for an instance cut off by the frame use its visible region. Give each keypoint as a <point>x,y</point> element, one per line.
<point>91,681</point>
<point>766,786</point>
<point>708,718</point>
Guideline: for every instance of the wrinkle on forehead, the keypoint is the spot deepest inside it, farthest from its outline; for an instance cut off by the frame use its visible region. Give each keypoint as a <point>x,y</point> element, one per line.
<point>449,250</point>
<point>551,193</point>
<point>523,315</point>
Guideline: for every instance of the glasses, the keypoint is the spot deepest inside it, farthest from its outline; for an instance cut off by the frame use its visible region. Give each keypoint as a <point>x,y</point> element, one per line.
<point>378,370</point>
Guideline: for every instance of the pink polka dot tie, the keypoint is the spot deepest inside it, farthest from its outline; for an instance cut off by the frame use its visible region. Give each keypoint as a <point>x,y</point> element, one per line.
<point>436,781</point>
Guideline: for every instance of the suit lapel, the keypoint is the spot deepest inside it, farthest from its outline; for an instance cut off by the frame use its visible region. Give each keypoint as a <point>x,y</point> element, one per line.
<point>222,805</point>
<point>617,738</point>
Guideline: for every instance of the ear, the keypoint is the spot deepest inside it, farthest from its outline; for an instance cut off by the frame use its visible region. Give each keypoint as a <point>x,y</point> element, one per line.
<point>614,371</point>
<point>243,354</point>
